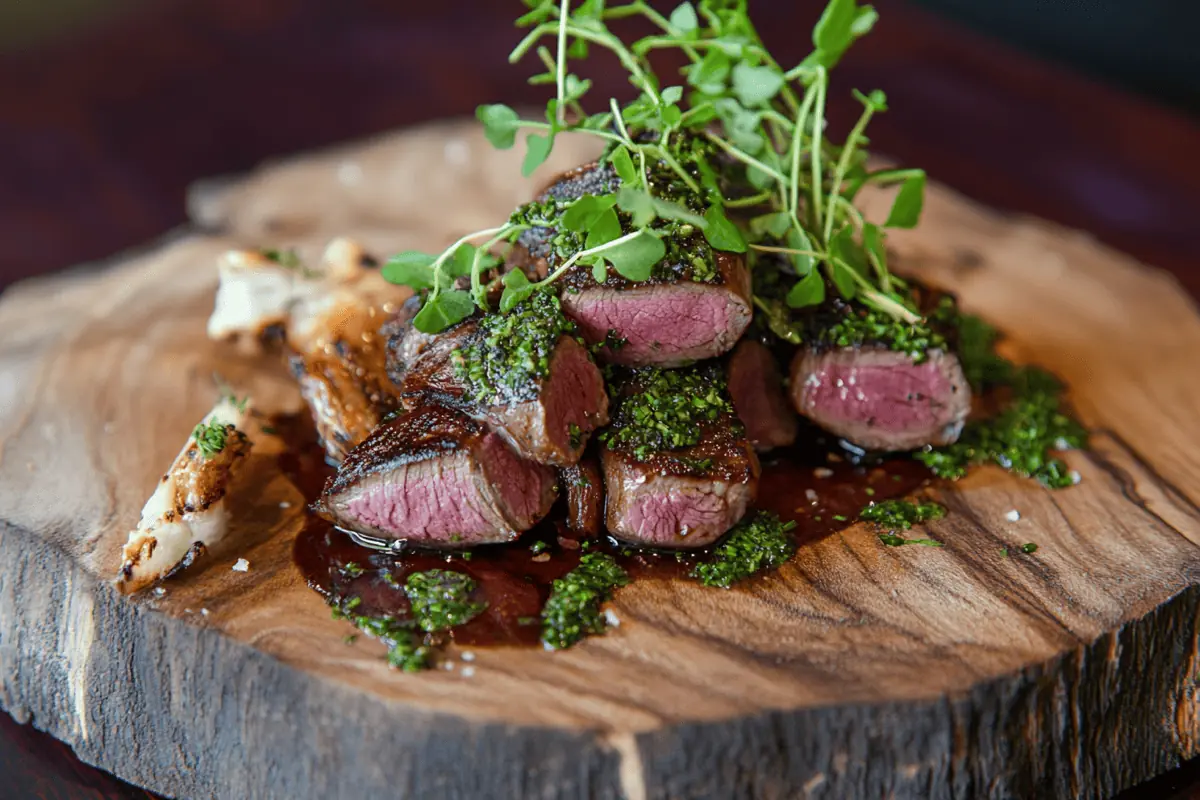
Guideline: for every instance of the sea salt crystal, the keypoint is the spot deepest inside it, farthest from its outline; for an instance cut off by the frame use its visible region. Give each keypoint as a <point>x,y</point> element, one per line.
<point>159,591</point>
<point>822,472</point>
<point>612,619</point>
<point>242,565</point>
<point>204,612</point>
<point>1013,515</point>
<point>1075,476</point>
<point>285,504</point>
<point>467,672</point>
<point>810,496</point>
<point>468,656</point>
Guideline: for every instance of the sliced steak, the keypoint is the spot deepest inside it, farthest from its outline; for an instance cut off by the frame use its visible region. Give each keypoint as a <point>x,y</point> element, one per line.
<point>584,487</point>
<point>880,399</point>
<point>678,469</point>
<point>695,306</point>
<point>756,387</point>
<point>434,477</point>
<point>665,323</point>
<point>536,387</point>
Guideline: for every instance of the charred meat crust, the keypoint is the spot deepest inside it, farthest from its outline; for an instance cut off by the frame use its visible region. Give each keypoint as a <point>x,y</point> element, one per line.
<point>583,486</point>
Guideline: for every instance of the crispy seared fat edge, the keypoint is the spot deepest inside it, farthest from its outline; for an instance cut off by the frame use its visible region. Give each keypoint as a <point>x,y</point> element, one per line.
<point>186,515</point>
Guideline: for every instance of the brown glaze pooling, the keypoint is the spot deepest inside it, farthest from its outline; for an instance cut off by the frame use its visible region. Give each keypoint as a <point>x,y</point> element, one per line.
<point>821,491</point>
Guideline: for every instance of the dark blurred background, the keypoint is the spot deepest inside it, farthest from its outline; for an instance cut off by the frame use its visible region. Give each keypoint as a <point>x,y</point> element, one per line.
<point>1086,112</point>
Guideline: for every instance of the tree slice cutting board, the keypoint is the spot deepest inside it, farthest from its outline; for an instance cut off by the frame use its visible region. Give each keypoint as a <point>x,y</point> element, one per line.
<point>856,671</point>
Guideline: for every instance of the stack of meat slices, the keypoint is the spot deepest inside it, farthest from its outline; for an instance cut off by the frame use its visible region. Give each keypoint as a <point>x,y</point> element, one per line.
<point>467,436</point>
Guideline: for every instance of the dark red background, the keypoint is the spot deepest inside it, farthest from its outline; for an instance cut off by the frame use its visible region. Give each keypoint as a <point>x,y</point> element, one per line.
<point>101,134</point>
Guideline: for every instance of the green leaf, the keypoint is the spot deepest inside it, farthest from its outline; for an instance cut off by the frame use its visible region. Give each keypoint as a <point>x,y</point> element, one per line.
<point>623,163</point>
<point>864,20</point>
<point>843,246</point>
<point>634,259</point>
<point>834,31</point>
<point>797,239</point>
<point>843,279</point>
<point>600,270</point>
<point>684,18</point>
<point>873,237</point>
<point>637,203</point>
<point>464,259</point>
<point>603,230</point>
<point>710,73</point>
<point>721,233</point>
<point>500,124</point>
<point>410,268</point>
<point>448,308</point>
<point>671,94</point>
<point>809,291</point>
<point>583,213</point>
<point>755,86</point>
<point>906,209</point>
<point>876,100</point>
<point>759,179</point>
<point>775,224</point>
<point>574,87</point>
<point>645,207</point>
<point>537,150</point>
<point>516,289</point>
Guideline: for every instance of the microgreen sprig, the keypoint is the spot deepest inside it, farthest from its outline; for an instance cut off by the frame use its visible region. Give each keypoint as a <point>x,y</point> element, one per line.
<point>797,184</point>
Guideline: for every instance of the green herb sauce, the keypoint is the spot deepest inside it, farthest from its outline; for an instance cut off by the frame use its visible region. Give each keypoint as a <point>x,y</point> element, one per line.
<point>901,514</point>
<point>573,609</point>
<point>754,545</point>
<point>861,326</point>
<point>407,649</point>
<point>669,411</point>
<point>441,599</point>
<point>509,355</point>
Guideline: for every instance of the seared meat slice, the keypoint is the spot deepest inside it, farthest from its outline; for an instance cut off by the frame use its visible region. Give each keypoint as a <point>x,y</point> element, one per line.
<point>678,469</point>
<point>186,514</point>
<point>434,477</point>
<point>584,486</point>
<point>880,399</point>
<point>528,379</point>
<point>668,323</point>
<point>695,306</point>
<point>756,387</point>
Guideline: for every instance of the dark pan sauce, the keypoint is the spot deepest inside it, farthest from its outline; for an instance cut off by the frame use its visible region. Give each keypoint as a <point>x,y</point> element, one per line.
<point>817,486</point>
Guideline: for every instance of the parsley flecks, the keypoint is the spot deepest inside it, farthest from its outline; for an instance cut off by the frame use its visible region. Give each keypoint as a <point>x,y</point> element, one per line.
<point>573,609</point>
<point>754,545</point>
<point>861,326</point>
<point>1029,547</point>
<point>441,599</point>
<point>901,514</point>
<point>211,437</point>
<point>892,540</point>
<point>669,410</point>
<point>976,347</point>
<point>1019,438</point>
<point>510,353</point>
<point>284,258</point>
<point>407,649</point>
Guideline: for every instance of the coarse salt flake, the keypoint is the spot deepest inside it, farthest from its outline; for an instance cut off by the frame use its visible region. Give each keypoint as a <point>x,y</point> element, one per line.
<point>242,565</point>
<point>1013,515</point>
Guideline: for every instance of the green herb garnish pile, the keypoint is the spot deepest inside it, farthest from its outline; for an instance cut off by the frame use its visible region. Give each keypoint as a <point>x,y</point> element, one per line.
<point>669,410</point>
<point>211,437</point>
<point>510,354</point>
<point>441,599</point>
<point>901,514</point>
<point>736,129</point>
<point>754,545</point>
<point>407,649</point>
<point>573,609</point>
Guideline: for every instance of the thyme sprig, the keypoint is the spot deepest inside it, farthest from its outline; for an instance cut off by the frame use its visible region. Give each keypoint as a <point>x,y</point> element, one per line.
<point>766,150</point>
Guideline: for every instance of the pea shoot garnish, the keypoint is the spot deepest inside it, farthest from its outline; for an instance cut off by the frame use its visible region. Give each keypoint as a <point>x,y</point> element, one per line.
<point>735,130</point>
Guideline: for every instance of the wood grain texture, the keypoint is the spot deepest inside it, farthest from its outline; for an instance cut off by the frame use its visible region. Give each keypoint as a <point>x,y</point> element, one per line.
<point>857,670</point>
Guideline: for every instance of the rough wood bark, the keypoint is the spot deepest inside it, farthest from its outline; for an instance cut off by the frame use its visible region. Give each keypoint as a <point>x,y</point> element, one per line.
<point>856,671</point>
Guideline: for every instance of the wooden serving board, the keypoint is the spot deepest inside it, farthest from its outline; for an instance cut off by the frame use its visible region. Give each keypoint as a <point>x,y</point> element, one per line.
<point>857,670</point>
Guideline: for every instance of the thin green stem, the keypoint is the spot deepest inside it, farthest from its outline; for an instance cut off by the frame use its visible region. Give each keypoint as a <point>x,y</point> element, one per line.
<point>788,250</point>
<point>561,74</point>
<point>570,262</point>
<point>436,266</point>
<point>752,200</point>
<point>665,24</point>
<point>477,291</point>
<point>678,168</point>
<point>843,163</point>
<point>815,149</point>
<point>746,158</point>
<point>797,143</point>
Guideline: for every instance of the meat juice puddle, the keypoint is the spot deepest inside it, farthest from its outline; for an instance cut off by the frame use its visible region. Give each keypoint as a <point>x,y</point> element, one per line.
<point>814,485</point>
